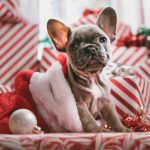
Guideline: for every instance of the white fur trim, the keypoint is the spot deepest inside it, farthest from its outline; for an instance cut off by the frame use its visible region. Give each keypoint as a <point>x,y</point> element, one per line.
<point>55,101</point>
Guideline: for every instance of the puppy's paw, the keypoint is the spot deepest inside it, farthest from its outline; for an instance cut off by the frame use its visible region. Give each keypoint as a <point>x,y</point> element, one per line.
<point>99,129</point>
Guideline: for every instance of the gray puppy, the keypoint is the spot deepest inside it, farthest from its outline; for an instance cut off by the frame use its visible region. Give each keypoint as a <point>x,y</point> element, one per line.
<point>88,48</point>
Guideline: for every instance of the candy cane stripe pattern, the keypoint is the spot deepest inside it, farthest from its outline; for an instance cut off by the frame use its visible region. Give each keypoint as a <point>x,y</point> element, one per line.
<point>18,49</point>
<point>8,10</point>
<point>133,56</point>
<point>4,89</point>
<point>143,71</point>
<point>126,95</point>
<point>49,56</point>
<point>77,141</point>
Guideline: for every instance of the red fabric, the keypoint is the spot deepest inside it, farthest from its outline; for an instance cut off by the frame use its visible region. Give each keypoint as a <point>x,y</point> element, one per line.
<point>22,81</point>
<point>22,98</point>
<point>10,102</point>
<point>62,58</point>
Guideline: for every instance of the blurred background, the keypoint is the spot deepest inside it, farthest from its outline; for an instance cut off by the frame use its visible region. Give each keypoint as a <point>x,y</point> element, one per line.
<point>22,46</point>
<point>21,20</point>
<point>131,12</point>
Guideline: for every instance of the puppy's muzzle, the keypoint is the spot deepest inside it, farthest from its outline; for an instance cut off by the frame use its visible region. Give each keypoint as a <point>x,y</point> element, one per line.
<point>91,50</point>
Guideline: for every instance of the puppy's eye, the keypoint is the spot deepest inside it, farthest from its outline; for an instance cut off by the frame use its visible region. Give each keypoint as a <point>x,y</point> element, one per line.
<point>102,39</point>
<point>73,47</point>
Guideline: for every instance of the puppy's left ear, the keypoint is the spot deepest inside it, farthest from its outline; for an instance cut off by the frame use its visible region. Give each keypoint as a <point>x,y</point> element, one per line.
<point>107,21</point>
<point>59,34</point>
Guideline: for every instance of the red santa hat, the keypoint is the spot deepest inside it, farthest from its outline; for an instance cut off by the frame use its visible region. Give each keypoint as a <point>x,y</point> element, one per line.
<point>22,98</point>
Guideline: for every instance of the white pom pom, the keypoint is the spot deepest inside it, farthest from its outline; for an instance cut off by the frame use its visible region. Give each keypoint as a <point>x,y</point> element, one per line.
<point>22,121</point>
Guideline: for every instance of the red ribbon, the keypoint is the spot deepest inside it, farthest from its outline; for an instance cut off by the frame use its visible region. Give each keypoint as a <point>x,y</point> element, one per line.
<point>91,11</point>
<point>132,40</point>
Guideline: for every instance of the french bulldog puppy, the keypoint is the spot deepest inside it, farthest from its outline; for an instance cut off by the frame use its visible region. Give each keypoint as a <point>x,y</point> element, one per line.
<point>89,49</point>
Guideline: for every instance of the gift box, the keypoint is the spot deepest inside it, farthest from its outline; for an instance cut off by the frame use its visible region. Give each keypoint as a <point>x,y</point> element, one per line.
<point>8,11</point>
<point>18,45</point>
<point>127,92</point>
<point>132,56</point>
<point>77,141</point>
<point>48,57</point>
<point>18,49</point>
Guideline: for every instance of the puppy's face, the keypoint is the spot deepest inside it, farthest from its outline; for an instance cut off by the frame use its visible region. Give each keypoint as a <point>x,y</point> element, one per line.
<point>88,49</point>
<point>88,46</point>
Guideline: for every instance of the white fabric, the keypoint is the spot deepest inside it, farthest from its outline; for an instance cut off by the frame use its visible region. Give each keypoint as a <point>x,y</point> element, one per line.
<point>55,101</point>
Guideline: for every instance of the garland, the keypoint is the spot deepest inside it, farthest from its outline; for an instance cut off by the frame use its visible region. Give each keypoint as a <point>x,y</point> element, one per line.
<point>142,38</point>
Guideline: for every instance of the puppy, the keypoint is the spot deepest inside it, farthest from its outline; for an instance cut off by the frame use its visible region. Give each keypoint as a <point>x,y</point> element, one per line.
<point>89,49</point>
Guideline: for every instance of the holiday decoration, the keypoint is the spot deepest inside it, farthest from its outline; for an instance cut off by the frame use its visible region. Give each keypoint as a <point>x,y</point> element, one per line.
<point>59,107</point>
<point>9,11</point>
<point>142,38</point>
<point>126,89</point>
<point>78,141</point>
<point>12,101</point>
<point>134,40</point>
<point>132,56</point>
<point>37,130</point>
<point>22,121</point>
<point>129,87</point>
<point>144,31</point>
<point>137,124</point>
<point>18,49</point>
<point>48,57</point>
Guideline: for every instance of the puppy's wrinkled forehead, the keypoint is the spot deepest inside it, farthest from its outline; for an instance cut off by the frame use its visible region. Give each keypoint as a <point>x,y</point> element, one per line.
<point>86,33</point>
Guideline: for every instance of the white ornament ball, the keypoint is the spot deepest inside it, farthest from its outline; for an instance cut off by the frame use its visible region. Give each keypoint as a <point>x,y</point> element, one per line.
<point>22,121</point>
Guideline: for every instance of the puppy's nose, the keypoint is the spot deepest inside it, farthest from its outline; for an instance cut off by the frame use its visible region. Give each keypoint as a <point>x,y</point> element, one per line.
<point>91,50</point>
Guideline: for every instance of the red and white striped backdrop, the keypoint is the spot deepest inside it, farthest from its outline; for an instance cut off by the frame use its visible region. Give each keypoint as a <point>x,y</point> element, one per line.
<point>143,72</point>
<point>77,141</point>
<point>127,95</point>
<point>18,49</point>
<point>8,10</point>
<point>138,57</point>
<point>4,89</point>
<point>144,87</point>
<point>133,56</point>
<point>48,57</point>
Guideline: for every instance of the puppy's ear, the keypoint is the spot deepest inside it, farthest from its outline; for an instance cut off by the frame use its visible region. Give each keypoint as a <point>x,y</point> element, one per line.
<point>107,21</point>
<point>59,34</point>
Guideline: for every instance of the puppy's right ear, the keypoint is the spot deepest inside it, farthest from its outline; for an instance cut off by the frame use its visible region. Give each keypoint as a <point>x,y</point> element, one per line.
<point>59,34</point>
